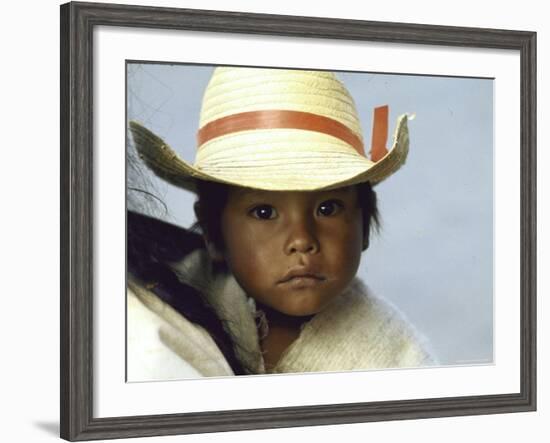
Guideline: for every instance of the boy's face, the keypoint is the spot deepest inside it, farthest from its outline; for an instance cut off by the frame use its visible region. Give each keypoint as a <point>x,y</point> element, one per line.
<point>293,251</point>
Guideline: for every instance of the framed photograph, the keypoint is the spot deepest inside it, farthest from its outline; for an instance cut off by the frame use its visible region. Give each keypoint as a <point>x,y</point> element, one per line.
<point>273,221</point>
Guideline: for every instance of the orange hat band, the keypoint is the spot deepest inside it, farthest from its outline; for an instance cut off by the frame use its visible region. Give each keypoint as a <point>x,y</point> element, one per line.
<point>278,119</point>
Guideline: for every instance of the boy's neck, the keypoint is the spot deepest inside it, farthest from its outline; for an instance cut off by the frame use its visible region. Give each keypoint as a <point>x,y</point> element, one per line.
<point>276,318</point>
<point>282,331</point>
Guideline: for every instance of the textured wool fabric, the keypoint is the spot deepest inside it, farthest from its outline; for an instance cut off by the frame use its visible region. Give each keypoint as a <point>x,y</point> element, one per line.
<point>356,331</point>
<point>164,345</point>
<point>148,358</point>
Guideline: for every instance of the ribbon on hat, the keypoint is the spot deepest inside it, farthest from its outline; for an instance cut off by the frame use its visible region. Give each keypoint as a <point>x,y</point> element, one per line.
<point>379,133</point>
<point>279,119</point>
<point>284,119</point>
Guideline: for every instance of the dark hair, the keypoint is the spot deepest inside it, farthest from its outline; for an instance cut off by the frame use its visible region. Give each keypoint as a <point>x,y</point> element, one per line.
<point>212,197</point>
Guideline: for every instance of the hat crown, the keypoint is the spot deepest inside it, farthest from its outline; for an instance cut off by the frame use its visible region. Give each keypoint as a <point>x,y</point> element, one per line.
<point>234,90</point>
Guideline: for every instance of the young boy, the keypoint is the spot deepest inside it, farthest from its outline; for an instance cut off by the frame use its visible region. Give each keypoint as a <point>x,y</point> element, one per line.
<point>285,206</point>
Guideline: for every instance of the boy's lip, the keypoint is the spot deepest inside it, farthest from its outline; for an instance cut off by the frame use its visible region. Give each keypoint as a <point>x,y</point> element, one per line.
<point>301,273</point>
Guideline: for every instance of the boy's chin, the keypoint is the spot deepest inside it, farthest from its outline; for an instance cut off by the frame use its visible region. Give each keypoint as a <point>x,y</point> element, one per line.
<point>299,312</point>
<point>304,302</point>
<point>299,309</point>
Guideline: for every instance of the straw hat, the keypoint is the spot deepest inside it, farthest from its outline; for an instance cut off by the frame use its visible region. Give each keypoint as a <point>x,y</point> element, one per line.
<point>279,130</point>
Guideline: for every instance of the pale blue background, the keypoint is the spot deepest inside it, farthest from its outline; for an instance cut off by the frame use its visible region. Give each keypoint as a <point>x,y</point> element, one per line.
<point>434,255</point>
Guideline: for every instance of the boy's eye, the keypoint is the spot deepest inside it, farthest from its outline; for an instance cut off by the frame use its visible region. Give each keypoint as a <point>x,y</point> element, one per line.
<point>263,212</point>
<point>328,208</point>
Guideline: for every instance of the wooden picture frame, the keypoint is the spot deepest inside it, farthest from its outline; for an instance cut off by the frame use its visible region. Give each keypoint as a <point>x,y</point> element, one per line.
<point>78,21</point>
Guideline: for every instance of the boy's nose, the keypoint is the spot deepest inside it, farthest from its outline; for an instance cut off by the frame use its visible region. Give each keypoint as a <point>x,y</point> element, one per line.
<point>301,239</point>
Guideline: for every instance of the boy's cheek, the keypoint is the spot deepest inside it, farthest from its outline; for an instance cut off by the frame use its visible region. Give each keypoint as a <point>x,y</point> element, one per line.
<point>248,258</point>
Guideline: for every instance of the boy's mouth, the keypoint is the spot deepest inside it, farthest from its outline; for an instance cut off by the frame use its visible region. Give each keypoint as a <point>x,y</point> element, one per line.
<point>301,275</point>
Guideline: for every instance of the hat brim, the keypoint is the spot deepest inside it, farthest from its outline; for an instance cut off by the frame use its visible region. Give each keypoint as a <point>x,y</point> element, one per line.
<point>164,162</point>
